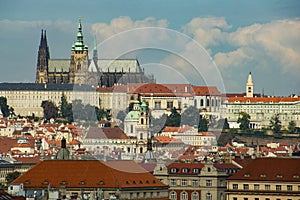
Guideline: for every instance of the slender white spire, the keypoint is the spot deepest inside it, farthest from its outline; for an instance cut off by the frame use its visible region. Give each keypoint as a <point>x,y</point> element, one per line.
<point>249,86</point>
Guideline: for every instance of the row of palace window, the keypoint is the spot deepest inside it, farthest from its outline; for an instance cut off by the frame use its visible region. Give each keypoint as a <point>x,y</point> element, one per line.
<point>195,183</point>
<point>184,196</point>
<point>256,198</point>
<point>267,187</point>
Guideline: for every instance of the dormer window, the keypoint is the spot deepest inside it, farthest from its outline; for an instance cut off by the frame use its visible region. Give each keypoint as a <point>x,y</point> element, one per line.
<point>173,170</point>
<point>263,175</point>
<point>185,170</point>
<point>279,176</point>
<point>196,170</point>
<point>246,175</point>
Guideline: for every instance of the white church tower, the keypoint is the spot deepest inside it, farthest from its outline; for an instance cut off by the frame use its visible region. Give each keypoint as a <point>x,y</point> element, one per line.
<point>249,86</point>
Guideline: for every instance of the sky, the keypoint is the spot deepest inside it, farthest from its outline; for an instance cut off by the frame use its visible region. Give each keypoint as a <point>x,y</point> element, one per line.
<point>202,42</point>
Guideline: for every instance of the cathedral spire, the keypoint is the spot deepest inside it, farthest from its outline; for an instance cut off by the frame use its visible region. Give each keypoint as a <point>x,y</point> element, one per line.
<point>79,44</point>
<point>42,60</point>
<point>95,51</point>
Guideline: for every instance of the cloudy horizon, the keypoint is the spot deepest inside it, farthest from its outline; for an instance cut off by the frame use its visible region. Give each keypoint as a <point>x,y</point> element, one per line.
<point>266,43</point>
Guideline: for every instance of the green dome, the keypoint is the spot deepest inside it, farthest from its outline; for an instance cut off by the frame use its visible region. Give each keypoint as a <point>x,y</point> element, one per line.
<point>133,115</point>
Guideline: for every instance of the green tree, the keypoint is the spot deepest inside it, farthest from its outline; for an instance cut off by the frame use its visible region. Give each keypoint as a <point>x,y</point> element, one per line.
<point>66,109</point>
<point>275,123</point>
<point>174,118</point>
<point>203,124</point>
<point>226,124</point>
<point>190,116</point>
<point>10,177</point>
<point>292,127</point>
<point>5,109</point>
<point>50,110</point>
<point>100,113</point>
<point>244,121</point>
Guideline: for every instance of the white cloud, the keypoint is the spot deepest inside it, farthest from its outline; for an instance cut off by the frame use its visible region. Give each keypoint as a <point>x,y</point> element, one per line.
<point>117,25</point>
<point>207,31</point>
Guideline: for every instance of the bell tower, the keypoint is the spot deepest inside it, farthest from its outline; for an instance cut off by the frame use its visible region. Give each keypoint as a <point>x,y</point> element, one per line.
<point>79,59</point>
<point>249,86</point>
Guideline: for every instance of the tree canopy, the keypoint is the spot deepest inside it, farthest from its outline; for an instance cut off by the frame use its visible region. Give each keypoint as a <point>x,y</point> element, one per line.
<point>174,118</point>
<point>292,127</point>
<point>50,110</point>
<point>5,109</point>
<point>203,124</point>
<point>190,116</point>
<point>10,177</point>
<point>244,121</point>
<point>275,123</point>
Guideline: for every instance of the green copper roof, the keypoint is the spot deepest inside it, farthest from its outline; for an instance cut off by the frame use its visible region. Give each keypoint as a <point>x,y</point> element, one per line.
<point>95,43</point>
<point>79,44</point>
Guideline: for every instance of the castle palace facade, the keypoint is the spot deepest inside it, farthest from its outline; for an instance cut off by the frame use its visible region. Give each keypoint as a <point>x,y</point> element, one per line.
<point>79,69</point>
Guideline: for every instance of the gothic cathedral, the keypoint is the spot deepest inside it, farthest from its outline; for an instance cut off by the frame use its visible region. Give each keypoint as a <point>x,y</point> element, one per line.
<point>79,69</point>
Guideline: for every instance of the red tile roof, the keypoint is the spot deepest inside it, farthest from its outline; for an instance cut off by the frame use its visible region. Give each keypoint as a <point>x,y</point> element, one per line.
<point>170,129</point>
<point>206,91</point>
<point>167,139</point>
<point>88,174</point>
<point>270,169</point>
<point>106,133</point>
<point>263,99</point>
<point>189,166</point>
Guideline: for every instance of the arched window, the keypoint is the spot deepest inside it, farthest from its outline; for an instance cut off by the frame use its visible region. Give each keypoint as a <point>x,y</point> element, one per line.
<point>173,195</point>
<point>201,103</point>
<point>207,102</point>
<point>208,196</point>
<point>184,196</point>
<point>142,121</point>
<point>141,149</point>
<point>195,196</point>
<point>195,103</point>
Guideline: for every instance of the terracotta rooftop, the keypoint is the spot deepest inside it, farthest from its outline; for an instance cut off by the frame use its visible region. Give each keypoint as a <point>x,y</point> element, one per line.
<point>206,90</point>
<point>263,99</point>
<point>106,133</point>
<point>270,169</point>
<point>88,174</point>
<point>167,139</point>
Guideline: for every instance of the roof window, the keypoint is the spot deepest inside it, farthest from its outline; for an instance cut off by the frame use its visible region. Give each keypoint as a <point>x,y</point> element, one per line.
<point>263,175</point>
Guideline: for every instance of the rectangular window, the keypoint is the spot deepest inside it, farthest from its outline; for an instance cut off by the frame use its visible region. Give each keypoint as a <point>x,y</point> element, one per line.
<point>208,183</point>
<point>278,187</point>
<point>157,105</point>
<point>289,187</point>
<point>256,187</point>
<point>170,104</point>
<point>267,187</point>
<point>195,183</point>
<point>183,182</point>
<point>172,182</point>
<point>246,186</point>
<point>256,198</point>
<point>235,186</point>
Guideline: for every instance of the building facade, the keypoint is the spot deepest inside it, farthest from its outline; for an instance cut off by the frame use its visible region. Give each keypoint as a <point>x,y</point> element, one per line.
<point>266,179</point>
<point>26,98</point>
<point>88,179</point>
<point>260,108</point>
<point>195,181</point>
<point>80,69</point>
